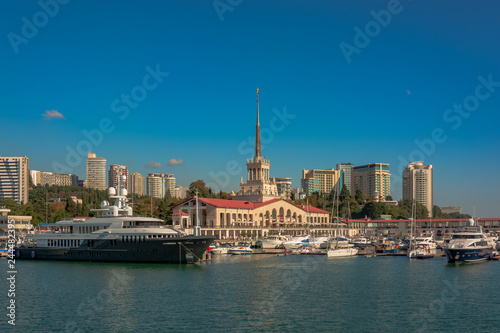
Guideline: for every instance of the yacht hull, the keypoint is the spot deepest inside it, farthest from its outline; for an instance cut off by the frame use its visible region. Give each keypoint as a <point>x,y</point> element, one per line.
<point>337,253</point>
<point>468,255</point>
<point>181,250</point>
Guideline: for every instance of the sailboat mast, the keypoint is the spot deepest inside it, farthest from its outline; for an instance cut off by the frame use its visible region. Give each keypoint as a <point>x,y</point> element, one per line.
<point>337,217</point>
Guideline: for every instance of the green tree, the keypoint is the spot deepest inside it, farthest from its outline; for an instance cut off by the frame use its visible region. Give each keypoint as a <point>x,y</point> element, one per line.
<point>71,206</point>
<point>360,197</point>
<point>203,190</point>
<point>374,210</point>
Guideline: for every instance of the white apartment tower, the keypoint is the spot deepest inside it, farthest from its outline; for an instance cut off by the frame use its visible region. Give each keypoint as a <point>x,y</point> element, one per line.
<point>159,184</point>
<point>417,184</point>
<point>14,178</point>
<point>96,172</point>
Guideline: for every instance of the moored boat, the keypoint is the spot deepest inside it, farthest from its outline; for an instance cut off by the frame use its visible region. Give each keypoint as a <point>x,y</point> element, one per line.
<point>342,252</point>
<point>240,248</point>
<point>273,241</point>
<point>115,236</point>
<point>295,242</point>
<point>469,245</point>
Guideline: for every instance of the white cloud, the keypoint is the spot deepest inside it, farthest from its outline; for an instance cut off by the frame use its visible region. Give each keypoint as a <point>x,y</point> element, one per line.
<point>173,161</point>
<point>153,165</point>
<point>52,114</point>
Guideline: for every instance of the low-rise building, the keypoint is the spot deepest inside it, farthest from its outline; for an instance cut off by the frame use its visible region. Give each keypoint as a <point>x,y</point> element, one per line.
<point>230,218</point>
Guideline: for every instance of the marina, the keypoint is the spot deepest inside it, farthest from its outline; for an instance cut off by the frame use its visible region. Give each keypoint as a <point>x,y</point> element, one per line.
<point>266,292</point>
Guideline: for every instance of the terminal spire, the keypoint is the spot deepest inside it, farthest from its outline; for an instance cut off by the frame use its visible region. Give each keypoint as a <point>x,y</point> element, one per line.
<point>257,131</point>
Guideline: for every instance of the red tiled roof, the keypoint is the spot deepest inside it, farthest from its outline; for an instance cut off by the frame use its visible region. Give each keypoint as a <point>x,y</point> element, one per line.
<point>231,203</point>
<point>225,203</point>
<point>312,209</point>
<point>268,202</point>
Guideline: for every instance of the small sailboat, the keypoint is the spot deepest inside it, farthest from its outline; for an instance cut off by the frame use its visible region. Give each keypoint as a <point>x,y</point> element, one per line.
<point>419,246</point>
<point>340,251</point>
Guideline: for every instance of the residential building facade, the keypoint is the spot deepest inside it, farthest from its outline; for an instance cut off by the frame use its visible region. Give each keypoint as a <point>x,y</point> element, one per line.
<point>136,183</point>
<point>49,178</point>
<point>348,169</point>
<point>417,184</point>
<point>322,181</point>
<point>181,192</point>
<point>159,184</point>
<point>14,178</point>
<point>284,186</point>
<point>96,172</point>
<point>373,179</point>
<point>115,171</point>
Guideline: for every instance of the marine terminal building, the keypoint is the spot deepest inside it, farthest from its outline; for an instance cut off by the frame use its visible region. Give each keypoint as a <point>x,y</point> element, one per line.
<point>257,209</point>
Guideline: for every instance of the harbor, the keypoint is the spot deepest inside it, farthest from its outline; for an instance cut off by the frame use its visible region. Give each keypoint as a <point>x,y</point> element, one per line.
<point>260,293</point>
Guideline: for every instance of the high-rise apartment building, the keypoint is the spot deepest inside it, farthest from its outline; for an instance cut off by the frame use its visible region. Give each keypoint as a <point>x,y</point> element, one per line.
<point>348,169</point>
<point>373,179</point>
<point>322,181</point>
<point>14,178</point>
<point>116,171</point>
<point>417,184</point>
<point>136,183</point>
<point>96,172</point>
<point>159,184</point>
<point>284,186</point>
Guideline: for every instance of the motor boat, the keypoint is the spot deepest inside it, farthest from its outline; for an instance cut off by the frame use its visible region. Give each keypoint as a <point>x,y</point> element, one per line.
<point>241,248</point>
<point>469,244</point>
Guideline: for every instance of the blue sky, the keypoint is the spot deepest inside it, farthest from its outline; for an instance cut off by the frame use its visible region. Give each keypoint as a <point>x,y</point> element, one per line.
<point>190,70</point>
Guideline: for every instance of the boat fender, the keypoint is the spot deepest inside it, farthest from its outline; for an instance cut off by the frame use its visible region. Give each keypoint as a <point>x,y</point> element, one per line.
<point>32,254</point>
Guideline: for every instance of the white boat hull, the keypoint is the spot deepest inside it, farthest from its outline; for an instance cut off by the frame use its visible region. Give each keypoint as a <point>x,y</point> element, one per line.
<point>342,252</point>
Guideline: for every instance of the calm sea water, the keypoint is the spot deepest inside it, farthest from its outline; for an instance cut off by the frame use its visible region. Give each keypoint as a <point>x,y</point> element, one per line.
<point>257,293</point>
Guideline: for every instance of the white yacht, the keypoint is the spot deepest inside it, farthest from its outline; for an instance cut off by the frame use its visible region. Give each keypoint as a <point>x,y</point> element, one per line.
<point>469,245</point>
<point>295,242</point>
<point>115,236</point>
<point>320,242</point>
<point>360,240</point>
<point>273,241</point>
<point>426,242</point>
<point>220,249</point>
<point>241,248</point>
<point>342,252</point>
